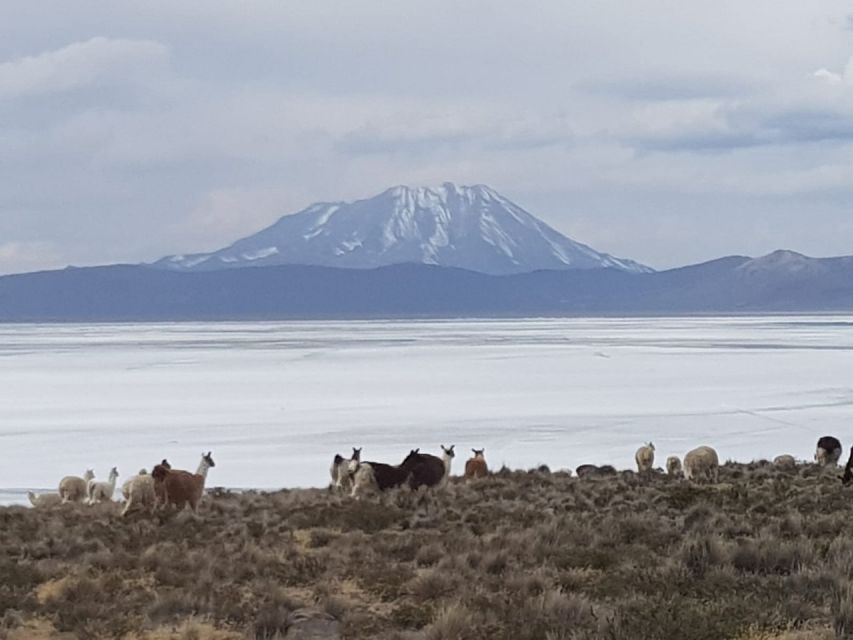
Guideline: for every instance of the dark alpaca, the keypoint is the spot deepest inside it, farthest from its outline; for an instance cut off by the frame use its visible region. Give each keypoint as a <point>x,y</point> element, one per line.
<point>427,470</point>
<point>828,451</point>
<point>387,476</point>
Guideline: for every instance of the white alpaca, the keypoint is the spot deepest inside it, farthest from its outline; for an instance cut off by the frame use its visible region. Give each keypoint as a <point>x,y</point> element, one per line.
<point>140,494</point>
<point>44,500</point>
<point>701,462</point>
<point>673,466</point>
<point>785,461</point>
<point>447,456</point>
<point>102,491</point>
<point>73,488</point>
<point>645,458</point>
<point>125,487</point>
<point>340,470</point>
<point>363,480</point>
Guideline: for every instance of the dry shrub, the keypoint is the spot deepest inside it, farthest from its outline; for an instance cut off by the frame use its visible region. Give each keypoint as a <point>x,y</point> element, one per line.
<point>764,554</point>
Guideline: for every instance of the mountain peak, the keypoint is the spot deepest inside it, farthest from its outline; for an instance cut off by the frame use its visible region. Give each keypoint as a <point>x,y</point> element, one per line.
<point>469,227</point>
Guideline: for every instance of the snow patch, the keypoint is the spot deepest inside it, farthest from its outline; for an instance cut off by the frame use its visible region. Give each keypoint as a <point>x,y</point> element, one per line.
<point>260,253</point>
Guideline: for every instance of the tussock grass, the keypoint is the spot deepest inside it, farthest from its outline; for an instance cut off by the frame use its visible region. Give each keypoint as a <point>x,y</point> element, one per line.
<point>765,554</point>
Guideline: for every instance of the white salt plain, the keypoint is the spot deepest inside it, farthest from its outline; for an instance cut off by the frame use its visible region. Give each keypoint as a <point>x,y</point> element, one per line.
<point>275,401</point>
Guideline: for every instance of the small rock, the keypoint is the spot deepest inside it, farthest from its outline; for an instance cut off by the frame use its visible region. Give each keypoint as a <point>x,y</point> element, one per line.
<point>311,624</point>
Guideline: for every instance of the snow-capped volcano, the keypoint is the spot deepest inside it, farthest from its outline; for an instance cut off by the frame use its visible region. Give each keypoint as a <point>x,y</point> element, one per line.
<point>472,228</point>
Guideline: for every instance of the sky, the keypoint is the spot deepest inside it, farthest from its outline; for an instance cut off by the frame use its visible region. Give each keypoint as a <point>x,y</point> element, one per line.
<point>669,132</point>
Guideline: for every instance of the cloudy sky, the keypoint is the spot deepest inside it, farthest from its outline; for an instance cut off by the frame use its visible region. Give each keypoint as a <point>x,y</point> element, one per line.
<point>665,131</point>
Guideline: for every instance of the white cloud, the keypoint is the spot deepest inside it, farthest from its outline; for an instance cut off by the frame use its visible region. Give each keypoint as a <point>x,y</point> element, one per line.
<point>836,78</point>
<point>78,65</point>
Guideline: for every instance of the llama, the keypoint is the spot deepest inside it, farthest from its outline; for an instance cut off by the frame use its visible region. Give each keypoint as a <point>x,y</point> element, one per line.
<point>102,491</point>
<point>368,477</point>
<point>702,462</point>
<point>828,451</point>
<point>125,487</point>
<point>476,467</point>
<point>447,455</point>
<point>673,466</point>
<point>340,470</point>
<point>141,493</point>
<point>178,487</point>
<point>44,500</point>
<point>645,458</point>
<point>786,461</point>
<point>427,470</point>
<point>73,488</point>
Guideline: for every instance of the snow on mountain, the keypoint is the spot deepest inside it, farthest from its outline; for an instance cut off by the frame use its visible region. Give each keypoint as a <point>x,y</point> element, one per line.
<point>472,228</point>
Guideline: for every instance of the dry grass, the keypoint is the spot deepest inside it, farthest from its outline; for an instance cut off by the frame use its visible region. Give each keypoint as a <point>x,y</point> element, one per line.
<point>765,554</point>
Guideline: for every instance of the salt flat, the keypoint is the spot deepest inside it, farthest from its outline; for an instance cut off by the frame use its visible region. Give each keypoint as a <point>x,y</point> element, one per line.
<point>275,401</point>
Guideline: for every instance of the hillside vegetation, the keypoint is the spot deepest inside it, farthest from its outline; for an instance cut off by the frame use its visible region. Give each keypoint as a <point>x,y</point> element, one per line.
<point>764,554</point>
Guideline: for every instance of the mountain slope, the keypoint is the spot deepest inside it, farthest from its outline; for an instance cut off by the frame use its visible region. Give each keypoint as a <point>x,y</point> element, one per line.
<point>472,228</point>
<point>781,282</point>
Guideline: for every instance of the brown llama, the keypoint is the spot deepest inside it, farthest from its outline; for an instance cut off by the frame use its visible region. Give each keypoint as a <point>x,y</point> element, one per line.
<point>476,467</point>
<point>179,487</point>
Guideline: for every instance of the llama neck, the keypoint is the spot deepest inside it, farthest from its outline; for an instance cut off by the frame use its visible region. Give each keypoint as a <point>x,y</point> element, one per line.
<point>202,469</point>
<point>448,460</point>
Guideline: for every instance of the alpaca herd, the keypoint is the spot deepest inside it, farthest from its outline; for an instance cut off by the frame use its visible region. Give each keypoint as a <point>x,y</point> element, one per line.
<point>424,470</point>
<point>167,487</point>
<point>163,487</point>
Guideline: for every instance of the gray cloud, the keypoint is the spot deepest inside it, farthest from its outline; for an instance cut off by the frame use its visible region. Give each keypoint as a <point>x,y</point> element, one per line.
<point>129,132</point>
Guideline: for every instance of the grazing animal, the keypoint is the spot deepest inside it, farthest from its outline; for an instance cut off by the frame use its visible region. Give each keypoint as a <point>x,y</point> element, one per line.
<point>645,458</point>
<point>73,488</point>
<point>340,471</point>
<point>125,487</point>
<point>785,461</point>
<point>447,456</point>
<point>368,477</point>
<point>702,462</point>
<point>180,488</point>
<point>847,478</point>
<point>673,466</point>
<point>44,500</point>
<point>142,493</point>
<point>377,476</point>
<point>586,470</point>
<point>476,467</point>
<point>427,470</point>
<point>828,451</point>
<point>102,491</point>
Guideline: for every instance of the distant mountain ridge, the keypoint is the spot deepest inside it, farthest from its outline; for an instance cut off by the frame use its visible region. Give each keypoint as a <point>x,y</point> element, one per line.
<point>783,282</point>
<point>467,227</point>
